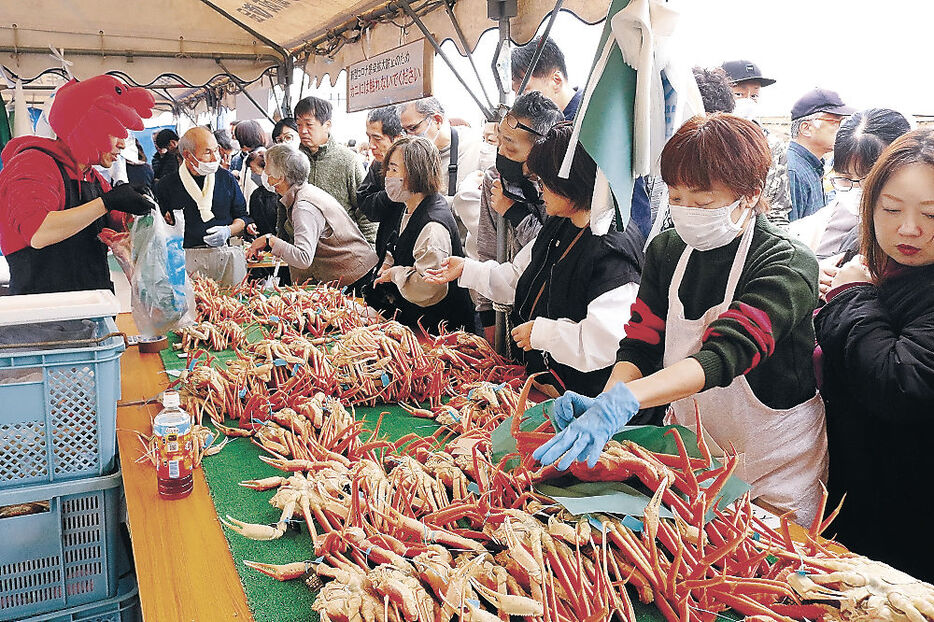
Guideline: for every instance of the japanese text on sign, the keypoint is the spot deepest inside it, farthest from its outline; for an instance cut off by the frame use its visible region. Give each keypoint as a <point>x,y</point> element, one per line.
<point>396,76</point>
<point>261,10</point>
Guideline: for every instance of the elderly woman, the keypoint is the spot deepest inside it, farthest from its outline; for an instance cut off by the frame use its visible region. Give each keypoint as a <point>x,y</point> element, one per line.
<point>317,239</point>
<point>722,324</point>
<point>418,234</point>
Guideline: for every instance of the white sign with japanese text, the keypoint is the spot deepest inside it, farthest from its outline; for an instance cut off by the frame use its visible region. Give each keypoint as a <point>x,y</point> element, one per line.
<point>399,75</point>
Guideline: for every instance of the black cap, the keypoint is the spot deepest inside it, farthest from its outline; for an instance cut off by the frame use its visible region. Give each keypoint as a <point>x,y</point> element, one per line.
<point>820,100</point>
<point>743,70</point>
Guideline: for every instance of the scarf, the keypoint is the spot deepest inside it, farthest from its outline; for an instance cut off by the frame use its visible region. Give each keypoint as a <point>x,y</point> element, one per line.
<point>203,197</point>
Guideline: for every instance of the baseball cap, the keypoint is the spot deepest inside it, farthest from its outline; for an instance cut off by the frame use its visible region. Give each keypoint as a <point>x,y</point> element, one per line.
<point>743,70</point>
<point>820,100</point>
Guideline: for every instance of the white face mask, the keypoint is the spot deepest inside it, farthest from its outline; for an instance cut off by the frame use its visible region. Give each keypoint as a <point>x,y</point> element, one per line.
<point>706,229</point>
<point>487,155</point>
<point>268,186</point>
<point>747,108</point>
<point>850,199</point>
<point>207,168</point>
<point>396,191</point>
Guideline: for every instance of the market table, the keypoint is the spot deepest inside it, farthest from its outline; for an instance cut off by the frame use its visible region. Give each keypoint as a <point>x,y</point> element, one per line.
<point>183,565</point>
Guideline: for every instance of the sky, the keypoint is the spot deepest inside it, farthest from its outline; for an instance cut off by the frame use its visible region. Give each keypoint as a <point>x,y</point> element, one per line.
<point>874,54</point>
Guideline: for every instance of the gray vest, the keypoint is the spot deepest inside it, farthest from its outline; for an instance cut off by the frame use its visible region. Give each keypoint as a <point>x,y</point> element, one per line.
<point>342,254</point>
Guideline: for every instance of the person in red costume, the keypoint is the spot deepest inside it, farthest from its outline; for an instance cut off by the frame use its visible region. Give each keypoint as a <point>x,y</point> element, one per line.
<point>52,201</point>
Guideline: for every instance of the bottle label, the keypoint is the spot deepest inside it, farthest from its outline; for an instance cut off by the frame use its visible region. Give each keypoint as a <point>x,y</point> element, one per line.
<point>175,447</point>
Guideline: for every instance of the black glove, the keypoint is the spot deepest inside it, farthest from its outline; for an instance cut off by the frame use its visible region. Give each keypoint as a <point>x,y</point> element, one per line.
<point>129,198</point>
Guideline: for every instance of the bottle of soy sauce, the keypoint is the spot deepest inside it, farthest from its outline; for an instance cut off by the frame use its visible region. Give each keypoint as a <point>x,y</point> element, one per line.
<point>175,446</point>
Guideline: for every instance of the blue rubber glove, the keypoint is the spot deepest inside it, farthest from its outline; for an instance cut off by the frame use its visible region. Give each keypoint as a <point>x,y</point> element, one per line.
<point>588,434</point>
<point>217,236</point>
<point>569,407</point>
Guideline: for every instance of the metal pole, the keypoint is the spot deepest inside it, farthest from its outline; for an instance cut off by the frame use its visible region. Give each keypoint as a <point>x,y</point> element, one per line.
<point>487,113</point>
<point>501,11</point>
<point>473,65</point>
<point>540,46</point>
<point>243,90</point>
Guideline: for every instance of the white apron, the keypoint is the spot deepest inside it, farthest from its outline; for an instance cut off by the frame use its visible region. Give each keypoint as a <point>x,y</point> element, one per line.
<point>225,264</point>
<point>782,454</point>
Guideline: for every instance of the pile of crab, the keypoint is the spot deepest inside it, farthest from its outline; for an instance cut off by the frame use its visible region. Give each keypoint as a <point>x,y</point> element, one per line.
<point>432,529</point>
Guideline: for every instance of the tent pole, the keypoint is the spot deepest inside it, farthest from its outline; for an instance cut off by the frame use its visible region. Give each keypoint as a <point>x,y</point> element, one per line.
<point>463,40</point>
<point>487,113</point>
<point>541,46</point>
<point>243,90</point>
<point>501,11</point>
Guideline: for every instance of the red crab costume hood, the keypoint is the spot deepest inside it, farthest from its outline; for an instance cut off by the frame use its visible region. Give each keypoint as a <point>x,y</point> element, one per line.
<point>85,114</point>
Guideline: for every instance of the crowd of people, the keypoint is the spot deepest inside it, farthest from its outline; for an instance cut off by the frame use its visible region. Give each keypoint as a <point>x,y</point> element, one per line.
<point>779,288</point>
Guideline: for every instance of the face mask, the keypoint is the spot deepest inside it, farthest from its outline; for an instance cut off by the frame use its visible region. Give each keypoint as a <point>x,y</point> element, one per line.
<point>268,186</point>
<point>850,199</point>
<point>747,109</point>
<point>424,133</point>
<point>509,170</point>
<point>207,168</point>
<point>396,191</point>
<point>487,155</point>
<point>706,229</point>
<point>516,185</point>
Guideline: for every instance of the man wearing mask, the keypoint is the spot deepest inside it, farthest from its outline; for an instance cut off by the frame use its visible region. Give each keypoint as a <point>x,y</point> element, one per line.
<point>213,207</point>
<point>460,158</point>
<point>506,189</point>
<point>165,159</point>
<point>382,129</point>
<point>747,81</point>
<point>815,119</point>
<point>549,77</point>
<point>334,168</point>
<point>53,203</point>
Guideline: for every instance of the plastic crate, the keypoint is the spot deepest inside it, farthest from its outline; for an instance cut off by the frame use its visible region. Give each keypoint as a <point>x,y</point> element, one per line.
<point>124,607</point>
<point>65,556</point>
<point>58,417</point>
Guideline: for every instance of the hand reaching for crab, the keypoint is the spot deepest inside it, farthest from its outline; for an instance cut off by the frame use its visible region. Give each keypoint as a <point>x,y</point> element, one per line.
<point>451,269</point>
<point>586,436</point>
<point>384,276</point>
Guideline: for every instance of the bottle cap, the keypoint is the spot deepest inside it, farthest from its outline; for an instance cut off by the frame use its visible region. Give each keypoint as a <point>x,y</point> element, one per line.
<point>170,399</point>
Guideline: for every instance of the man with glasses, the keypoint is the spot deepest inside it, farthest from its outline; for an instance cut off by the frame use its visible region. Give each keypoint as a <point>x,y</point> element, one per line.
<point>815,119</point>
<point>460,161</point>
<point>506,188</point>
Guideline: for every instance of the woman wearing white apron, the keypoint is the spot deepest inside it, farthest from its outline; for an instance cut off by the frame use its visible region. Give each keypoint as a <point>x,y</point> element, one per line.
<point>723,320</point>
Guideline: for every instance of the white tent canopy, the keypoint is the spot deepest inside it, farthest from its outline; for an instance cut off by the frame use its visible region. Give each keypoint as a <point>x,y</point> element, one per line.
<point>192,42</point>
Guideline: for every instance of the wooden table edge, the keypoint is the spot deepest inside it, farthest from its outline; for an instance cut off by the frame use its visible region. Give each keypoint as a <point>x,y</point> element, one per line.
<point>183,564</point>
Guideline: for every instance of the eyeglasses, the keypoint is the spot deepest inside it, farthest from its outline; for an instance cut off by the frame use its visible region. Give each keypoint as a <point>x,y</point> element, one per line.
<point>844,183</point>
<point>413,129</point>
<point>515,124</point>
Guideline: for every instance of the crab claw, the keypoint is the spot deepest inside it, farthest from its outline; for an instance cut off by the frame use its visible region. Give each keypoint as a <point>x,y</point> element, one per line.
<point>213,450</point>
<point>288,465</point>
<point>253,531</point>
<point>509,603</point>
<point>280,572</point>
<point>264,484</point>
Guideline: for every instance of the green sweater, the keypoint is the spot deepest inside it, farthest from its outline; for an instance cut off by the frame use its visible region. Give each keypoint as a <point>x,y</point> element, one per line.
<point>766,334</point>
<point>338,171</point>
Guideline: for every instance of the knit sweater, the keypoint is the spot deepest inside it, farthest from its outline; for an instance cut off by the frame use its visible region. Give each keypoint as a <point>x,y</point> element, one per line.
<point>338,171</point>
<point>767,334</point>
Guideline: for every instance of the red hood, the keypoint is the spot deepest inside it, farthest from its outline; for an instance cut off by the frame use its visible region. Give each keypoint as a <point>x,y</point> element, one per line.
<point>55,147</point>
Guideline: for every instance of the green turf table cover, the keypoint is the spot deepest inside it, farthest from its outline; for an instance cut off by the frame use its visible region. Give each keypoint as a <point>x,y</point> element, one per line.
<point>290,601</point>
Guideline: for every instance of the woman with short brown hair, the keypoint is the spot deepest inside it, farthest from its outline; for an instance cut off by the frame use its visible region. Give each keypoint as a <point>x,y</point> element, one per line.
<point>722,321</point>
<point>416,237</point>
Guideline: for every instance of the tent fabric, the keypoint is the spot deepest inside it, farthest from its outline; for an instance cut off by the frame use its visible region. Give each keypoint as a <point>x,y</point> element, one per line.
<point>185,38</point>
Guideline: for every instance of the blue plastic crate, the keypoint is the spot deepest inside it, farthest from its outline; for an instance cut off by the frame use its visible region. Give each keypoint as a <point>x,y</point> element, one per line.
<point>58,410</point>
<point>124,607</point>
<point>65,554</point>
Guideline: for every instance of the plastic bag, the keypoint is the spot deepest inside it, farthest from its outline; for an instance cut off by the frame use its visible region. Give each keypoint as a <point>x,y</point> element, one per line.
<point>163,298</point>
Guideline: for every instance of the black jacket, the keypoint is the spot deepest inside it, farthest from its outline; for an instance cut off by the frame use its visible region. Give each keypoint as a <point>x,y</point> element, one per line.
<point>562,280</point>
<point>264,210</point>
<point>878,384</point>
